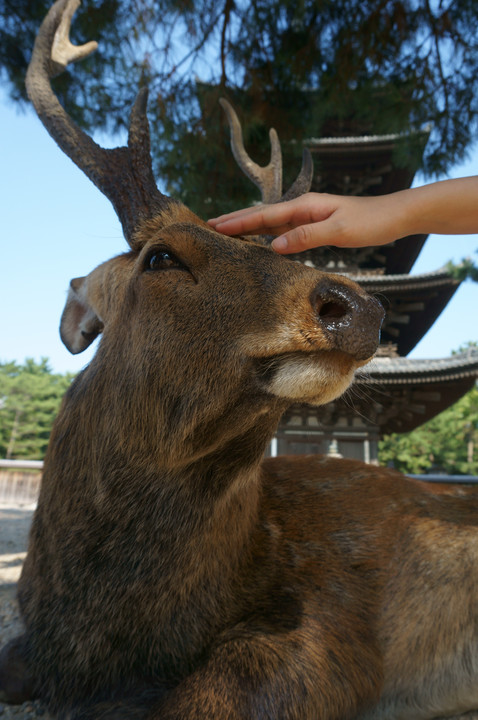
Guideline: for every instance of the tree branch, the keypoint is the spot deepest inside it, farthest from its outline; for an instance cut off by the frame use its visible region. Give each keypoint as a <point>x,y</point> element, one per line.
<point>228,7</point>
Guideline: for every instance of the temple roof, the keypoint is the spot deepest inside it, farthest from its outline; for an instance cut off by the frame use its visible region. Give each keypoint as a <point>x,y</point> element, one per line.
<point>388,140</point>
<point>366,165</point>
<point>395,258</point>
<point>394,395</point>
<point>404,281</point>
<point>412,303</point>
<point>395,370</point>
<point>399,394</point>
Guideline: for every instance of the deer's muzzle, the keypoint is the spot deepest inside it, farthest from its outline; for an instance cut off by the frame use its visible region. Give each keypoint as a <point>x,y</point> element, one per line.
<point>350,321</point>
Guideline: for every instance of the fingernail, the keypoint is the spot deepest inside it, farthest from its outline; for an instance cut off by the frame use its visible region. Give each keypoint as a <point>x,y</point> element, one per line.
<point>280,243</point>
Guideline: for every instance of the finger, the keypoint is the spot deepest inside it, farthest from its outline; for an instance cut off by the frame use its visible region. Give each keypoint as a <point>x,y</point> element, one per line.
<point>303,238</point>
<point>270,219</point>
<point>234,215</point>
<point>245,224</point>
<point>235,224</point>
<point>239,212</point>
<point>266,215</point>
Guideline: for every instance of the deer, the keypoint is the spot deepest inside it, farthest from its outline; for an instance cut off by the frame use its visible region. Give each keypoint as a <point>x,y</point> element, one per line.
<point>172,572</point>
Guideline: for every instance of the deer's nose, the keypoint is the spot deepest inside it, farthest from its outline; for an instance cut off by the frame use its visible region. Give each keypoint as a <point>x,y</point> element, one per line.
<point>350,321</point>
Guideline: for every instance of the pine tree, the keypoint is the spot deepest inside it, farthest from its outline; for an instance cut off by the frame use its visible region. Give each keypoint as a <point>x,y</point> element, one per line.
<point>30,396</point>
<point>309,68</point>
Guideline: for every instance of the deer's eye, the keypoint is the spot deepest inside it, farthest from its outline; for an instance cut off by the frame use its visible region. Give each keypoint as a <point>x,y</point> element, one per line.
<point>163,260</point>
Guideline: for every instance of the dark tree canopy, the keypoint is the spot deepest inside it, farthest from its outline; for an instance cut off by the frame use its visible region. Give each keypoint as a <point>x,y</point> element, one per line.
<point>310,68</point>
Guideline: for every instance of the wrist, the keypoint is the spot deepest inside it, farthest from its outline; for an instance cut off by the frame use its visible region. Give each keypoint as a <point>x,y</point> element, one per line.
<point>408,213</point>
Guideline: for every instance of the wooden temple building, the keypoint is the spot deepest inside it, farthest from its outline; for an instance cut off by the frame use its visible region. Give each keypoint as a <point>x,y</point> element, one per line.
<point>393,394</point>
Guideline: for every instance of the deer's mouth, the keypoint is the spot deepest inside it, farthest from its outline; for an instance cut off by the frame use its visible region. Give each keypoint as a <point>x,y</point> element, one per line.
<point>316,377</point>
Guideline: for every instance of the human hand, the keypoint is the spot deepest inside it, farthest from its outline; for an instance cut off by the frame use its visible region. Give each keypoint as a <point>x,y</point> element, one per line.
<point>318,219</point>
<point>446,207</point>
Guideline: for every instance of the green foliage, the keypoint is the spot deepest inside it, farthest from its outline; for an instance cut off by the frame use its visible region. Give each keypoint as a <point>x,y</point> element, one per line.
<point>448,443</point>
<point>470,345</point>
<point>30,397</point>
<point>309,68</point>
<point>466,270</point>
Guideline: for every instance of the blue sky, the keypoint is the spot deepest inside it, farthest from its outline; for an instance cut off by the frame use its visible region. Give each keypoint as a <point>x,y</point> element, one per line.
<point>56,225</point>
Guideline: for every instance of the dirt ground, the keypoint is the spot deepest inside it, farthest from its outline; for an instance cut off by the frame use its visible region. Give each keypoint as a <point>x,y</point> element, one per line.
<point>14,527</point>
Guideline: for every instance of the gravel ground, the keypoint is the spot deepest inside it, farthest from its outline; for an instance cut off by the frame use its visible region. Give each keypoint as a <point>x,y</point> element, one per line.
<point>14,527</point>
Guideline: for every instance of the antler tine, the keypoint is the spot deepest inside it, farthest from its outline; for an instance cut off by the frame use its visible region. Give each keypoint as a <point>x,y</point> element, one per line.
<point>303,182</point>
<point>139,142</point>
<point>63,51</point>
<point>269,178</point>
<point>123,174</point>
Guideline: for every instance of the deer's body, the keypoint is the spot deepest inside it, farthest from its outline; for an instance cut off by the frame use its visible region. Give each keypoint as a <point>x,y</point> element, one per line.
<point>313,588</point>
<point>172,574</point>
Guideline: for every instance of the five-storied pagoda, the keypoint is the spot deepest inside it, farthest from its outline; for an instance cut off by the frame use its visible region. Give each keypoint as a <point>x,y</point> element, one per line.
<point>393,393</point>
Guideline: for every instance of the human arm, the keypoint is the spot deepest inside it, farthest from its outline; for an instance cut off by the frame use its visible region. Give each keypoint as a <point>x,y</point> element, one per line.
<point>314,219</point>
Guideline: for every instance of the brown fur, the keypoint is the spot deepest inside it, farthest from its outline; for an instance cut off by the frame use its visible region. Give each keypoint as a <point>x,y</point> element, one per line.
<point>172,573</point>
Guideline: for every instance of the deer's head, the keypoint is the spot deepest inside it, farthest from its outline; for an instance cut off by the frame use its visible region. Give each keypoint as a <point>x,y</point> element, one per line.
<point>215,331</point>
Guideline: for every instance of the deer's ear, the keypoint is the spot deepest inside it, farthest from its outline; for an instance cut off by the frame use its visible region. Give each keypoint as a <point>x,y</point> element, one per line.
<point>79,324</point>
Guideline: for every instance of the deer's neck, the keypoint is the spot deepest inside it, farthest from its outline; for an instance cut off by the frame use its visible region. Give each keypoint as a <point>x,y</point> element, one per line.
<point>187,531</point>
<point>167,538</point>
<point>113,467</point>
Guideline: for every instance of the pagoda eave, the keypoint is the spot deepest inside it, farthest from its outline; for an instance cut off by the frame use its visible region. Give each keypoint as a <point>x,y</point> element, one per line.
<point>390,395</point>
<point>402,393</point>
<point>394,259</point>
<point>365,165</point>
<point>396,370</point>
<point>412,304</point>
<point>362,164</point>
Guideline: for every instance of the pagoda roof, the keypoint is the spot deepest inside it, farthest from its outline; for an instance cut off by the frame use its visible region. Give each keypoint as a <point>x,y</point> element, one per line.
<point>396,258</point>
<point>379,283</point>
<point>396,394</point>
<point>393,370</point>
<point>393,393</point>
<point>341,143</point>
<point>403,393</point>
<point>412,303</point>
<point>365,165</point>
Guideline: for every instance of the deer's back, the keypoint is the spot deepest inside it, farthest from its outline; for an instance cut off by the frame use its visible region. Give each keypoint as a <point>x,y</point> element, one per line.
<point>355,521</point>
<point>390,564</point>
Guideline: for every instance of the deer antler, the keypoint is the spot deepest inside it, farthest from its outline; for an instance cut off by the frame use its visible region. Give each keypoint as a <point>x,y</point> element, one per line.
<point>269,178</point>
<point>123,174</point>
<point>63,51</point>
